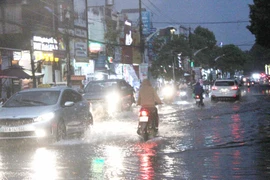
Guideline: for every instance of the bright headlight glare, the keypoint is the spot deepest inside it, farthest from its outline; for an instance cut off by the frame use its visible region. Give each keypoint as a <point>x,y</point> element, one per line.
<point>113,97</point>
<point>45,117</point>
<point>40,133</point>
<point>168,91</point>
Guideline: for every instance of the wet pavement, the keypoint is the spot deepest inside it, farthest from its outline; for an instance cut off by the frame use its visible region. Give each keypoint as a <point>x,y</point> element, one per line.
<point>223,140</point>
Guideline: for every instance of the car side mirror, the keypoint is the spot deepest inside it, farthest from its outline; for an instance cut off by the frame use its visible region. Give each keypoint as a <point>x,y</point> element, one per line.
<point>69,104</point>
<point>81,91</point>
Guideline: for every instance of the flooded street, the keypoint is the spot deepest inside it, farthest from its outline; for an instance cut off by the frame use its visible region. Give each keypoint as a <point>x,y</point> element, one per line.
<point>223,140</point>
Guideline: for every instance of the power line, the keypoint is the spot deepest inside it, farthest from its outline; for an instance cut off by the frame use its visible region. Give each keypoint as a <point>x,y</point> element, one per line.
<point>207,23</point>
<point>160,11</point>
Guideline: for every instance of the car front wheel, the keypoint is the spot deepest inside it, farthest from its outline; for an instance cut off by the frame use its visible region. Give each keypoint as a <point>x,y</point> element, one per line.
<point>89,120</point>
<point>61,131</point>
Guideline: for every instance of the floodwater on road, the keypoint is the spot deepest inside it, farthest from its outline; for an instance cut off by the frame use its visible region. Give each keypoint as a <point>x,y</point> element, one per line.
<point>223,140</point>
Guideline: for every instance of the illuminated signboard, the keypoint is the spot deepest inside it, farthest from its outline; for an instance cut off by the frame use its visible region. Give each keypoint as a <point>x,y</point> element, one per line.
<point>128,33</point>
<point>95,47</point>
<point>44,44</point>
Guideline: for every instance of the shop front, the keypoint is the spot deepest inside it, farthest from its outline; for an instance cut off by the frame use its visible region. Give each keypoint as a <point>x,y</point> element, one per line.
<point>46,61</point>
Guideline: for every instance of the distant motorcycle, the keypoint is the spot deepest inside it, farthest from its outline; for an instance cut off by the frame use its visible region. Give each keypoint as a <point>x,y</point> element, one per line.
<point>183,93</point>
<point>147,125</point>
<point>168,93</point>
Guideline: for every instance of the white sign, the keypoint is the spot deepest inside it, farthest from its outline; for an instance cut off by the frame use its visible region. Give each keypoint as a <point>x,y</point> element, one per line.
<point>80,49</point>
<point>44,44</point>
<point>143,71</point>
<point>80,33</point>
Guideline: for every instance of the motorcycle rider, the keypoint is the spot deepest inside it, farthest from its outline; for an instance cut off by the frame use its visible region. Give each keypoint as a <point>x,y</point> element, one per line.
<point>148,98</point>
<point>198,90</point>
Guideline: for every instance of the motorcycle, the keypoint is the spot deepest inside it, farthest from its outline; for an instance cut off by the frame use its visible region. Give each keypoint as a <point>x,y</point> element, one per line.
<point>147,125</point>
<point>183,93</point>
<point>198,100</point>
<point>168,93</point>
<point>248,84</point>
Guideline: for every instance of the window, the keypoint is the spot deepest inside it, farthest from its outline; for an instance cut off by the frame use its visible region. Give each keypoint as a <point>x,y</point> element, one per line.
<point>70,95</point>
<point>224,83</point>
<point>33,98</point>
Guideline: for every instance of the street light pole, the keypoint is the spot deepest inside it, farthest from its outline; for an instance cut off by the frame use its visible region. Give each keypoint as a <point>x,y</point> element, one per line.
<point>195,53</point>
<point>219,57</point>
<point>32,62</point>
<point>173,66</point>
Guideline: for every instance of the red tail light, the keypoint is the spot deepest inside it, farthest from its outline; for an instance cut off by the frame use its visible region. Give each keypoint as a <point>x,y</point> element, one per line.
<point>143,113</point>
<point>197,97</point>
<point>234,87</point>
<point>214,88</point>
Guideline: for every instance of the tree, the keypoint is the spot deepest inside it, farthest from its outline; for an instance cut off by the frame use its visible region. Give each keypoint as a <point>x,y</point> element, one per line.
<point>259,19</point>
<point>111,35</point>
<point>202,38</point>
<point>260,56</point>
<point>234,59</point>
<point>167,52</point>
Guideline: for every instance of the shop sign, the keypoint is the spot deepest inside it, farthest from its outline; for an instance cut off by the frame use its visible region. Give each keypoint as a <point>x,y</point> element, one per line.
<point>44,44</point>
<point>80,33</point>
<point>95,47</point>
<point>59,54</point>
<point>80,49</point>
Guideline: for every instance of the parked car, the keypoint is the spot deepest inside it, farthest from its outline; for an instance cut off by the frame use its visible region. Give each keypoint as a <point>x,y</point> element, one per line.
<point>112,94</point>
<point>44,114</point>
<point>225,89</point>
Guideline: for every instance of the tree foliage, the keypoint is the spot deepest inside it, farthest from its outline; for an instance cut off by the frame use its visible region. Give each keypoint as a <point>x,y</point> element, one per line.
<point>202,37</point>
<point>167,51</point>
<point>203,42</point>
<point>259,22</point>
<point>233,59</point>
<point>259,57</point>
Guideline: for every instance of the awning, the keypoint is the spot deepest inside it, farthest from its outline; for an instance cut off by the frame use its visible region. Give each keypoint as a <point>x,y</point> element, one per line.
<point>18,72</point>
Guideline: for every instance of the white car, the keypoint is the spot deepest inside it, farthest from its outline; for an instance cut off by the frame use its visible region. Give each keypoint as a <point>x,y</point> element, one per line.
<point>44,114</point>
<point>225,89</point>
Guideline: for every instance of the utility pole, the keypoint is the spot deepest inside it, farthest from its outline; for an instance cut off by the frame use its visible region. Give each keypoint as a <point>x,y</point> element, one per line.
<point>67,20</point>
<point>32,62</point>
<point>141,33</point>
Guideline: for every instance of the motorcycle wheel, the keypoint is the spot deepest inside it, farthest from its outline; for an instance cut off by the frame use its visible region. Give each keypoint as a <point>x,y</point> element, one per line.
<point>145,136</point>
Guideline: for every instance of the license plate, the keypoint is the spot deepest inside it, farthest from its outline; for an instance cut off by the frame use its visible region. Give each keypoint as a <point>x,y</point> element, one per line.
<point>15,129</point>
<point>197,100</point>
<point>143,119</point>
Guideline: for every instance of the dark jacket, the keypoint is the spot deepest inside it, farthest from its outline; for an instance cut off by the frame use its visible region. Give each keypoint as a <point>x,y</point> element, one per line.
<point>198,89</point>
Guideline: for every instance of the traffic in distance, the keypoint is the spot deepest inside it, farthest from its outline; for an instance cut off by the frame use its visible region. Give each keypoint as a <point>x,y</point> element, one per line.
<point>58,112</point>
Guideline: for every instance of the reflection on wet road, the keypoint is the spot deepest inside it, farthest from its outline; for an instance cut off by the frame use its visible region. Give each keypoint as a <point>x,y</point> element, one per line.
<point>224,140</point>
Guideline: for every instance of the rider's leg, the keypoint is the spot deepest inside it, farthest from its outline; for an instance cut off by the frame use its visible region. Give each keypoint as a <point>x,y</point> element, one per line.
<point>201,99</point>
<point>156,118</point>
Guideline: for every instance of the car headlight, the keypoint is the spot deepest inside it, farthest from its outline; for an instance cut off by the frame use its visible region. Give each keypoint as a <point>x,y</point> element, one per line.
<point>113,97</point>
<point>45,117</point>
<point>40,133</point>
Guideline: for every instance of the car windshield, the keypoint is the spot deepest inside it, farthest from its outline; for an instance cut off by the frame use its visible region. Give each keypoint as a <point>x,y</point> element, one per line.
<point>33,98</point>
<point>224,83</point>
<point>100,86</point>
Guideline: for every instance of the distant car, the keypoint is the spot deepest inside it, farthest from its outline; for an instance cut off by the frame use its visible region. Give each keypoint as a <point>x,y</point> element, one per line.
<point>44,114</point>
<point>225,89</point>
<point>112,94</point>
